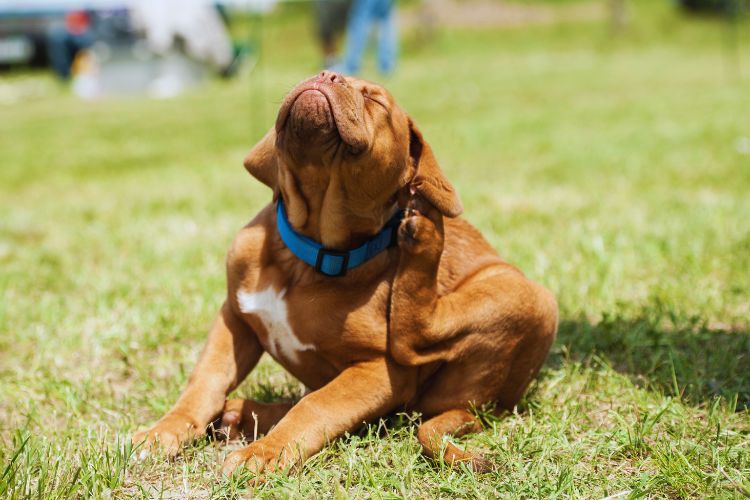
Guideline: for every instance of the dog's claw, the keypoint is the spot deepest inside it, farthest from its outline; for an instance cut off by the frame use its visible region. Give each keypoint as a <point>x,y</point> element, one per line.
<point>419,233</point>
<point>255,458</point>
<point>231,463</point>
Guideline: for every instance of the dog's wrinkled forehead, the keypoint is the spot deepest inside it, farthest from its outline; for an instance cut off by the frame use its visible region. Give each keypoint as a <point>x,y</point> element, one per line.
<point>371,88</point>
<point>377,94</point>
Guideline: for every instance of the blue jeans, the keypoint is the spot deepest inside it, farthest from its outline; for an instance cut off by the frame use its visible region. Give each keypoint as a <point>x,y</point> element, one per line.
<point>62,48</point>
<point>365,14</point>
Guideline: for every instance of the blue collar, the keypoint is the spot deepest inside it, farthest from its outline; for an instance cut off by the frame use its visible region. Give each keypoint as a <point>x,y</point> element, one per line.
<point>334,262</point>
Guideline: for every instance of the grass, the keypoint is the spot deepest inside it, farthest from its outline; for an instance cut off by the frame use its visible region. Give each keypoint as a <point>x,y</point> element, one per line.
<point>611,169</point>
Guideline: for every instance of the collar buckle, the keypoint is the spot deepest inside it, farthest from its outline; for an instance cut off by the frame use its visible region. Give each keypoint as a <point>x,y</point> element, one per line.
<point>326,252</point>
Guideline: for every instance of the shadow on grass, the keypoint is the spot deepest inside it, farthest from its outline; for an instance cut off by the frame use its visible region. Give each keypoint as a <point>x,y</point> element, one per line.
<point>687,358</point>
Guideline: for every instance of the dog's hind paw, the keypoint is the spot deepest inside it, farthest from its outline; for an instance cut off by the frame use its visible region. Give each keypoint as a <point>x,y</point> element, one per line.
<point>421,230</point>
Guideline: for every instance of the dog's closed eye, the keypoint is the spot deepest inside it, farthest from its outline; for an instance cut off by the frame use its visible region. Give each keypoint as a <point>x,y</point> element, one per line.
<point>373,99</point>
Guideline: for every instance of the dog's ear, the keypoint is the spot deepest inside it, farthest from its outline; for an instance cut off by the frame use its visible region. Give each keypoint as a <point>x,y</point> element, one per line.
<point>429,181</point>
<point>261,161</point>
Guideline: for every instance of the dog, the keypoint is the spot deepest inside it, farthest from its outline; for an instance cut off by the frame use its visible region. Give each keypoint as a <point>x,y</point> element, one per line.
<point>362,281</point>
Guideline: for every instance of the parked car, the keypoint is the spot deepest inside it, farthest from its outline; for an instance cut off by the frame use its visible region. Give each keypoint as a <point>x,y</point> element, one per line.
<point>53,37</point>
<point>23,37</point>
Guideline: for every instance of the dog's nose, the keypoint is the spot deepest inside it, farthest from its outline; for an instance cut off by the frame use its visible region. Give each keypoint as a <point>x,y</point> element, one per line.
<point>330,76</point>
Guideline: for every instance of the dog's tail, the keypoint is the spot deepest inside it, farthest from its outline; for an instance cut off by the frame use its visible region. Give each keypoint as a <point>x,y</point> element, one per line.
<point>454,423</point>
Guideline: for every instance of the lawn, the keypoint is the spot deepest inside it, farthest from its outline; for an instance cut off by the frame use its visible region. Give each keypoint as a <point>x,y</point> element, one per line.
<point>615,170</point>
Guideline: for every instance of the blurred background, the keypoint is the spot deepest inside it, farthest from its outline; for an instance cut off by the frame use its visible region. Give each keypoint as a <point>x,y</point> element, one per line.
<point>162,48</point>
<point>603,146</point>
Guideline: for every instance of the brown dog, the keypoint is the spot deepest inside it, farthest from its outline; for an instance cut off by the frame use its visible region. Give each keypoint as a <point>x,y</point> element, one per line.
<point>435,324</point>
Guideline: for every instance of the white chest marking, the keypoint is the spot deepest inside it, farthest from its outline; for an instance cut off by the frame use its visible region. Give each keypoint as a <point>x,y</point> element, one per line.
<point>270,307</point>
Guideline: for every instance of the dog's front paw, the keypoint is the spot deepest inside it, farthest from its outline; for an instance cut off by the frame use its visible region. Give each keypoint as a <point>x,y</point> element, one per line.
<point>260,456</point>
<point>166,436</point>
<point>421,230</point>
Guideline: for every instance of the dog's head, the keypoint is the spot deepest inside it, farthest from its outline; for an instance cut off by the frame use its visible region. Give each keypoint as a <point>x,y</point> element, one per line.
<point>343,156</point>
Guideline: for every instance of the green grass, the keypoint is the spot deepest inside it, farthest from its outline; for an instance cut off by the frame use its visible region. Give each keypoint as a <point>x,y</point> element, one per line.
<point>610,170</point>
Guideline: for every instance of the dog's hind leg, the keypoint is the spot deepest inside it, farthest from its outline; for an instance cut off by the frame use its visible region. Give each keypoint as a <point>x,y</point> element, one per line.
<point>496,310</point>
<point>454,423</point>
<point>251,419</point>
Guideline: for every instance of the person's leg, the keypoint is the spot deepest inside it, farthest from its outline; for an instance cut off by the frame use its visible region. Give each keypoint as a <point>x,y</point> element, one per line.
<point>80,42</point>
<point>331,17</point>
<point>323,28</point>
<point>59,52</point>
<point>387,37</point>
<point>360,19</point>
